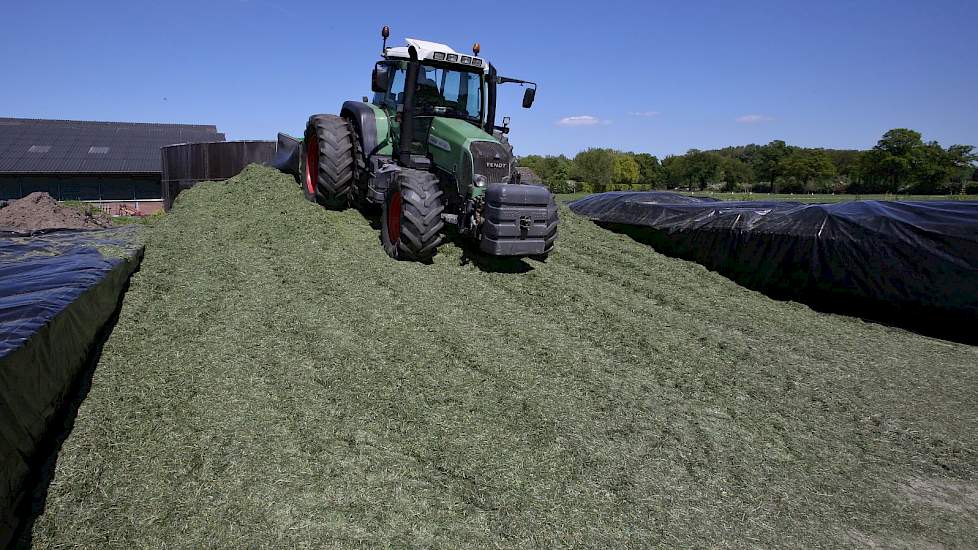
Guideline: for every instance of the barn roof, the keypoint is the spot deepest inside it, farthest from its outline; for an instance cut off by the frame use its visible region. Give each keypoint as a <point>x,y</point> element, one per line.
<point>75,146</point>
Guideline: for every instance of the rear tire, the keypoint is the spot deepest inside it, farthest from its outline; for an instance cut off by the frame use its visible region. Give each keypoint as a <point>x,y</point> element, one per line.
<point>358,191</point>
<point>329,161</point>
<point>411,221</point>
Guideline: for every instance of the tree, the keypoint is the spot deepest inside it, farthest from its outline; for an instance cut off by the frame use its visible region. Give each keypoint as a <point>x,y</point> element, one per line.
<point>702,167</point>
<point>559,169</point>
<point>737,175</point>
<point>876,171</point>
<point>766,160</point>
<point>805,170</point>
<point>674,171</point>
<point>889,165</point>
<point>845,160</point>
<point>625,170</point>
<point>649,170</point>
<point>900,162</point>
<point>558,173</point>
<point>554,171</point>
<point>535,163</point>
<point>900,142</point>
<point>931,169</point>
<point>962,159</point>
<point>595,166</point>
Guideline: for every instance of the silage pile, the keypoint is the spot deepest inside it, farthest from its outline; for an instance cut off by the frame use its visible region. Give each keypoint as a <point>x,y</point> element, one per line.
<point>276,380</point>
<point>38,211</point>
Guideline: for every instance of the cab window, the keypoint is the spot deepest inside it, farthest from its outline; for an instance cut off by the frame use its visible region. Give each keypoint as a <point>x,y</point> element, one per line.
<point>394,95</point>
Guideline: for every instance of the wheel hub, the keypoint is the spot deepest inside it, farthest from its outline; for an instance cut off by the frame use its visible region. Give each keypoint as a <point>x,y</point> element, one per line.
<point>394,218</point>
<point>312,163</point>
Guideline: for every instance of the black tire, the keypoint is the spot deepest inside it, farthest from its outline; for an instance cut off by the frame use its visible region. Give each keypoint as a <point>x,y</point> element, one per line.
<point>358,192</point>
<point>329,140</point>
<point>411,221</point>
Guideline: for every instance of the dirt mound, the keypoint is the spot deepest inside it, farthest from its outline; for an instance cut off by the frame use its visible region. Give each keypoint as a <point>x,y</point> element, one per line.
<point>39,211</point>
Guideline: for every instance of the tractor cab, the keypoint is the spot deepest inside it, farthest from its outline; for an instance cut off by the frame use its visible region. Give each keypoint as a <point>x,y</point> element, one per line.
<point>444,88</point>
<point>447,85</point>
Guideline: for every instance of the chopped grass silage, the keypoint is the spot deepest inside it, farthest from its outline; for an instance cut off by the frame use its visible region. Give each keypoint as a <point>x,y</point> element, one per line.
<point>275,380</point>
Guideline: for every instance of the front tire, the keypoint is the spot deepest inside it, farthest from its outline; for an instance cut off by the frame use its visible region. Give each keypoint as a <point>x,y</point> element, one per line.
<point>329,161</point>
<point>411,221</point>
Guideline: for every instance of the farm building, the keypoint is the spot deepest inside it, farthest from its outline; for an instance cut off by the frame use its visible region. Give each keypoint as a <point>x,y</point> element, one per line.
<point>114,164</point>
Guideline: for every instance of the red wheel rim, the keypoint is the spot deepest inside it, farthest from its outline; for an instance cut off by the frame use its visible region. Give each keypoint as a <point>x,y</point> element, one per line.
<point>312,159</point>
<point>394,218</point>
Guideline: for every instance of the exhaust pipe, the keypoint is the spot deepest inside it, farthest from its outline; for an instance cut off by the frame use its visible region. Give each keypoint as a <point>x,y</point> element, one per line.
<point>491,102</point>
<point>407,114</point>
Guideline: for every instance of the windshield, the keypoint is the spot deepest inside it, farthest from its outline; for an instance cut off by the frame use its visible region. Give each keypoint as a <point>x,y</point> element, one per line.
<point>447,92</point>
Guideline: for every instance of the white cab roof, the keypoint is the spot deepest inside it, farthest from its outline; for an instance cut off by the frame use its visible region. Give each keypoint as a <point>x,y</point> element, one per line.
<point>427,49</point>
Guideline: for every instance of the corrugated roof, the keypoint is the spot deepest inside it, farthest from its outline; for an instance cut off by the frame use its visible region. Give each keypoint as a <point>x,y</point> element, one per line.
<point>77,146</point>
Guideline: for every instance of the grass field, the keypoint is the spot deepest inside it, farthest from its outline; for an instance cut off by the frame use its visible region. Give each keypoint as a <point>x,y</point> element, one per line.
<point>274,380</point>
<point>807,198</point>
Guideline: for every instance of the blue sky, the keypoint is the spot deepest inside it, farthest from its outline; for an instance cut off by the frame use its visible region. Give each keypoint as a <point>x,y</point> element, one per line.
<point>660,77</point>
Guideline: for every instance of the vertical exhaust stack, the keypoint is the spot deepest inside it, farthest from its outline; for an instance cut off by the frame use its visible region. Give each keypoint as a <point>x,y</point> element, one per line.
<point>491,102</point>
<point>407,114</point>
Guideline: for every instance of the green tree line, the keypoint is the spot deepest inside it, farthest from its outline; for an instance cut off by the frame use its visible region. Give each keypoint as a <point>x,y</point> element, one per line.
<point>901,162</point>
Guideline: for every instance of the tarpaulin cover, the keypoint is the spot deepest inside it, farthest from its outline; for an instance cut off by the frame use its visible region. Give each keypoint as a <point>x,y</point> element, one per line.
<point>909,263</point>
<point>287,151</point>
<point>57,290</point>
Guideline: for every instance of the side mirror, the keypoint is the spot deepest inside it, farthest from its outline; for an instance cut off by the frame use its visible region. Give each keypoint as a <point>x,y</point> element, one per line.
<point>528,96</point>
<point>379,81</point>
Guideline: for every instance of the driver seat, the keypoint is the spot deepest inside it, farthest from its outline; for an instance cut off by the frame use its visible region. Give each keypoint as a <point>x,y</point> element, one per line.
<point>427,91</point>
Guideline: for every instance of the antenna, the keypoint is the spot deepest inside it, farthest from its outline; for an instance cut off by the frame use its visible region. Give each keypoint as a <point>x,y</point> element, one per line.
<point>385,32</point>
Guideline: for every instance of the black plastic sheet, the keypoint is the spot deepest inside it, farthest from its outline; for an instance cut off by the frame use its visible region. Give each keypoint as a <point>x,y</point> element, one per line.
<point>287,151</point>
<point>913,264</point>
<point>57,290</point>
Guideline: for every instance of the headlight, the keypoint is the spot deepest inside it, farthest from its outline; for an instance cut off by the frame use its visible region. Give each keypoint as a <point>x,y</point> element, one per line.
<point>466,60</point>
<point>439,56</point>
<point>479,180</point>
<point>453,57</point>
<point>476,62</point>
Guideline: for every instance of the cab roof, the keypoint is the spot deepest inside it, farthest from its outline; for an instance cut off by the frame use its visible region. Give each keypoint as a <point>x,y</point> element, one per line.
<point>427,50</point>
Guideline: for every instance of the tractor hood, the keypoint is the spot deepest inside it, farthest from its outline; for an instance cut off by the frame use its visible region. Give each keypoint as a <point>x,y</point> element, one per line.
<point>458,130</point>
<point>462,149</point>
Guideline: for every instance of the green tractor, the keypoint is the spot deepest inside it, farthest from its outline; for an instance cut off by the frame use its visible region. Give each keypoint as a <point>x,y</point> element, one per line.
<point>428,152</point>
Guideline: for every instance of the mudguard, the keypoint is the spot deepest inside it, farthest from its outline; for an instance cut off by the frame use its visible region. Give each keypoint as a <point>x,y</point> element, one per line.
<point>364,119</point>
